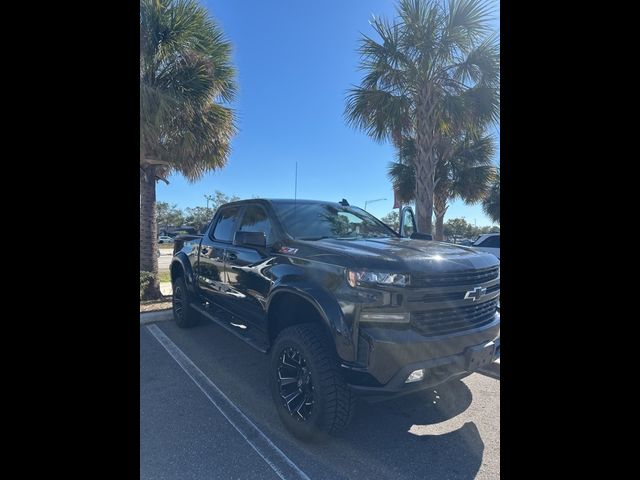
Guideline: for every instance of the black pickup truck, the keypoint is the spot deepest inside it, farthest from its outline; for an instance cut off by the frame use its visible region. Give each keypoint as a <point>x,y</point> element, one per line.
<point>344,305</point>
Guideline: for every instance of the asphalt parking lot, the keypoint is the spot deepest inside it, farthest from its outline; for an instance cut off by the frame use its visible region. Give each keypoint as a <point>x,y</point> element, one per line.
<point>206,412</point>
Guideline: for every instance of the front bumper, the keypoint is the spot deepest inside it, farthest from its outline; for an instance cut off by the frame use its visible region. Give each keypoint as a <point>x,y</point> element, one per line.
<point>391,355</point>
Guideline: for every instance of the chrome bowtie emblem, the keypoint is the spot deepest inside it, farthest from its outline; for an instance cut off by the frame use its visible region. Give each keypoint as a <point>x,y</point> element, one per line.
<point>475,294</point>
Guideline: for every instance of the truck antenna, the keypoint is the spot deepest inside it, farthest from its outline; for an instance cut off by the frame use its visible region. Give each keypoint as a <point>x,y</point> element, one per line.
<point>295,197</point>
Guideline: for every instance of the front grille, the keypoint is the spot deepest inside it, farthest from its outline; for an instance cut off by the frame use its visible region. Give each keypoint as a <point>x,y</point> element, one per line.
<point>448,296</point>
<point>452,320</point>
<point>450,279</point>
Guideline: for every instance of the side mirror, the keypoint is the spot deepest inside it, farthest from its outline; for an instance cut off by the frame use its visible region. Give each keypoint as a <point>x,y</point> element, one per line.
<point>408,226</point>
<point>250,239</point>
<point>421,236</point>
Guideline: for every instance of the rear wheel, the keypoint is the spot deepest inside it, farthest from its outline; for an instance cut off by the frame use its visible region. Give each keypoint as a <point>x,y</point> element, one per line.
<point>183,314</point>
<point>311,396</point>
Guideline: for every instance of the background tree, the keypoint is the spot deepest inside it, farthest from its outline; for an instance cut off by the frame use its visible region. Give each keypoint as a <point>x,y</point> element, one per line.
<point>392,219</point>
<point>489,229</point>
<point>199,217</point>
<point>433,66</point>
<point>459,227</point>
<point>220,199</point>
<point>186,80</point>
<point>167,215</point>
<point>491,203</point>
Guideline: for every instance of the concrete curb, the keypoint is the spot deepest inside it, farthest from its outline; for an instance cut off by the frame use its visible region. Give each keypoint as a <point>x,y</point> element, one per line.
<point>159,316</point>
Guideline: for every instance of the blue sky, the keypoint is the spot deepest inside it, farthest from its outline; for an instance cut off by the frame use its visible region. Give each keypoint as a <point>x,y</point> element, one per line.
<point>295,61</point>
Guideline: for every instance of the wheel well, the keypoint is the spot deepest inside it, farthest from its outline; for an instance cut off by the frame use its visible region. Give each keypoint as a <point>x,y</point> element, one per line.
<point>288,309</point>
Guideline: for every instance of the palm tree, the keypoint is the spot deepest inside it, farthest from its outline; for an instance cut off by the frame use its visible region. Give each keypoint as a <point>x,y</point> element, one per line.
<point>429,66</point>
<point>186,78</point>
<point>491,203</point>
<point>466,173</point>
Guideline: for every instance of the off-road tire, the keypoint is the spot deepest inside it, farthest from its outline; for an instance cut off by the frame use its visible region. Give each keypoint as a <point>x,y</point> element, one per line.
<point>183,314</point>
<point>333,401</point>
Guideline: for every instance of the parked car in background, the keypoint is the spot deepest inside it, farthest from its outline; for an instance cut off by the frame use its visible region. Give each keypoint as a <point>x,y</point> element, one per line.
<point>489,242</point>
<point>457,240</point>
<point>165,239</point>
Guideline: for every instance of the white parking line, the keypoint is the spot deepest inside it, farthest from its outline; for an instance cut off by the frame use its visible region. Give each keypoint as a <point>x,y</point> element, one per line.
<point>270,453</point>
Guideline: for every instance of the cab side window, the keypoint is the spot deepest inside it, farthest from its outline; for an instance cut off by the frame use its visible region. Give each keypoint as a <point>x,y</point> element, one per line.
<point>225,224</point>
<point>256,220</point>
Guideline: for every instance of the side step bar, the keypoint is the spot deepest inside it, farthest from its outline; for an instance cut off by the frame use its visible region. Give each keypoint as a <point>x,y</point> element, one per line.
<point>207,314</point>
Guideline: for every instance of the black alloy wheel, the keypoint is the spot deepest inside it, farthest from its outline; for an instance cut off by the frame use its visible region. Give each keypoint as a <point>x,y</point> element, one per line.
<point>295,384</point>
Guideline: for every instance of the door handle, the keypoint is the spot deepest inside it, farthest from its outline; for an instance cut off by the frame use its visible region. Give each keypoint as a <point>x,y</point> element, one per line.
<point>232,256</point>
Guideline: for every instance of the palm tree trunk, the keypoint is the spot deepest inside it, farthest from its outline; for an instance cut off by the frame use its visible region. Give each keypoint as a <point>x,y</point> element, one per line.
<point>149,230</point>
<point>425,162</point>
<point>440,208</point>
<point>424,199</point>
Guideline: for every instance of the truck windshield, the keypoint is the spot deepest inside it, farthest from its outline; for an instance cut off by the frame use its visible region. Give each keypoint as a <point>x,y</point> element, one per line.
<point>314,221</point>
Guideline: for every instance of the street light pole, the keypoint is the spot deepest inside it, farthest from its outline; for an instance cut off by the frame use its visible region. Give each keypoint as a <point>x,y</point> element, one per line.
<point>371,201</point>
<point>208,197</point>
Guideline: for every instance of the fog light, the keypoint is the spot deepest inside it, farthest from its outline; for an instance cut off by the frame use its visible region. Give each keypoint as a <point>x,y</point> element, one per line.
<point>415,376</point>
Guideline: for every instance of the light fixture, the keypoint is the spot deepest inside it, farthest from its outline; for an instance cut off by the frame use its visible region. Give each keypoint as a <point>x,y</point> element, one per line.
<point>415,376</point>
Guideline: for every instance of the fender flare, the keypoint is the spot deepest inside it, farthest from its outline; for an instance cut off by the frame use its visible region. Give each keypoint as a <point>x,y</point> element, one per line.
<point>180,260</point>
<point>327,307</point>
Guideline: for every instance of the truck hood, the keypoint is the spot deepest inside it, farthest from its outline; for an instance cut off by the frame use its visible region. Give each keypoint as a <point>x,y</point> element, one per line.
<point>397,254</point>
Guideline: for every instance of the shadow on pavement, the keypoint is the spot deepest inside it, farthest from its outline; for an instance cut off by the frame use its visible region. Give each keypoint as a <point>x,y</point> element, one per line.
<point>411,435</point>
<point>414,436</point>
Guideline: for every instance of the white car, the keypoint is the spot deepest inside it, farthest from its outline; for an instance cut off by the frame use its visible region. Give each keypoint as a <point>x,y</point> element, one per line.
<point>489,242</point>
<point>165,239</point>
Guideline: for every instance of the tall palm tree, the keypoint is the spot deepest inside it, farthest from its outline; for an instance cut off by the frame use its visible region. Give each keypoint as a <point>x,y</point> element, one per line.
<point>491,203</point>
<point>429,66</point>
<point>186,83</point>
<point>466,173</point>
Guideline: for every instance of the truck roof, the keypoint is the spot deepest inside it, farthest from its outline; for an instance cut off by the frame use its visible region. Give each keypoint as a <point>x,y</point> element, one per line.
<point>281,200</point>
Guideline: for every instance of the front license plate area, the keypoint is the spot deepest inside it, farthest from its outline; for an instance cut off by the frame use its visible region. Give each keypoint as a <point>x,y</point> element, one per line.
<point>479,356</point>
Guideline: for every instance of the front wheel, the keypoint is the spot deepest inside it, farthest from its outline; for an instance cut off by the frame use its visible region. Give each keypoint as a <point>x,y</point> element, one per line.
<point>311,396</point>
<point>183,314</point>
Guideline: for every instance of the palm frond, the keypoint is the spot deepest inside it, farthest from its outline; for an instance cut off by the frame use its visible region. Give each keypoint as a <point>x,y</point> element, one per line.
<point>491,203</point>
<point>470,16</point>
<point>186,80</point>
<point>377,112</point>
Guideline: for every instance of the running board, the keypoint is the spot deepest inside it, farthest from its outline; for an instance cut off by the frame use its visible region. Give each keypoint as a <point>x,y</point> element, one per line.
<point>238,333</point>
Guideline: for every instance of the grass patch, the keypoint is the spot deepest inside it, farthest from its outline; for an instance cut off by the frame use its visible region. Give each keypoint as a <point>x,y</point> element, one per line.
<point>164,276</point>
<point>165,246</point>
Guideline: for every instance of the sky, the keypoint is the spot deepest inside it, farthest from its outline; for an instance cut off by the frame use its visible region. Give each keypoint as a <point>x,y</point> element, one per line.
<point>295,60</point>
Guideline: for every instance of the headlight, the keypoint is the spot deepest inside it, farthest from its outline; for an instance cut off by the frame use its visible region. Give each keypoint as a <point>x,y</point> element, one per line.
<point>367,278</point>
